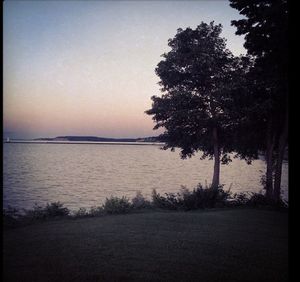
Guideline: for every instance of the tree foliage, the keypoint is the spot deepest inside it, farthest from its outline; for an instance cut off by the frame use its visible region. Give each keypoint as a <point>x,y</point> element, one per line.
<point>195,78</point>
<point>266,39</point>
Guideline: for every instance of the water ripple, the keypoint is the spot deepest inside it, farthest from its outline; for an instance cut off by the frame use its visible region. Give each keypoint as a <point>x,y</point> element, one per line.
<point>84,175</point>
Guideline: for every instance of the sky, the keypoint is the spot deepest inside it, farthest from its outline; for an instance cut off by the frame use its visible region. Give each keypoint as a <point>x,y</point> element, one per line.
<point>88,67</point>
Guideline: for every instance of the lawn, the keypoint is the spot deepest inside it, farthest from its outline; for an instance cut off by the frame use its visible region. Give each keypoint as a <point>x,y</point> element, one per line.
<point>212,245</point>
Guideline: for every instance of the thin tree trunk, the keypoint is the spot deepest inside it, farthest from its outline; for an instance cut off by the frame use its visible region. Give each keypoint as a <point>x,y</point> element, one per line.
<point>280,155</point>
<point>216,176</point>
<point>269,161</point>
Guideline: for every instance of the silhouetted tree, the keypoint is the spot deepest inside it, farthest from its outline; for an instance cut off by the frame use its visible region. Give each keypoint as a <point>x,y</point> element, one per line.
<point>196,78</point>
<point>265,28</point>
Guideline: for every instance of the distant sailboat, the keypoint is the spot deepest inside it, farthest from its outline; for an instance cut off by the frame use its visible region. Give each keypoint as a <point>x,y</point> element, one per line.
<point>7,140</point>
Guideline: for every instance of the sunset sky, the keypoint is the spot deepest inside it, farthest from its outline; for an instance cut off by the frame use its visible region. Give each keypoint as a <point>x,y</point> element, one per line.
<point>87,67</point>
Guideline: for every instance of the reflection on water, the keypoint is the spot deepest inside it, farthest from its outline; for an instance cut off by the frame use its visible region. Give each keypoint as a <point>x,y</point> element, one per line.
<point>81,175</point>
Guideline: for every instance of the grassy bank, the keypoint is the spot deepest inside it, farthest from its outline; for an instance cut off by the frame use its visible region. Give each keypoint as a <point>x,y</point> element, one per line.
<point>215,245</point>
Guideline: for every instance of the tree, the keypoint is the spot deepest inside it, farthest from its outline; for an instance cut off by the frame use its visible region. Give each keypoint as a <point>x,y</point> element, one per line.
<point>265,28</point>
<point>195,77</point>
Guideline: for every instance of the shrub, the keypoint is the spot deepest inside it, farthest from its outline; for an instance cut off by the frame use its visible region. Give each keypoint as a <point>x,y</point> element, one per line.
<point>10,217</point>
<point>37,212</point>
<point>199,198</point>
<point>11,212</point>
<point>169,202</point>
<point>139,201</point>
<point>207,197</point>
<point>259,199</point>
<point>96,211</point>
<point>240,199</point>
<point>202,198</point>
<point>55,209</point>
<point>81,212</point>
<point>157,200</point>
<point>115,205</point>
<point>92,212</point>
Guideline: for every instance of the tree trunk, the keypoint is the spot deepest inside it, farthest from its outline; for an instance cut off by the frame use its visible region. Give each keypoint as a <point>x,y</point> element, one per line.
<point>280,155</point>
<point>269,161</point>
<point>216,176</point>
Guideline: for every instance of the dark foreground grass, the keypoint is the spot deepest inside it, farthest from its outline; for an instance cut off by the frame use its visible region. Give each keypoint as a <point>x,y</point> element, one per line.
<point>216,245</point>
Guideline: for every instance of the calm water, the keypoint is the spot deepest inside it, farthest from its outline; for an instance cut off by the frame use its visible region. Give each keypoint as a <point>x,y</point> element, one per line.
<point>81,175</point>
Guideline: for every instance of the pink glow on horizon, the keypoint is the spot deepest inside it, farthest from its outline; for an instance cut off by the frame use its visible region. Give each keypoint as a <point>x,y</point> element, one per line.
<point>88,67</point>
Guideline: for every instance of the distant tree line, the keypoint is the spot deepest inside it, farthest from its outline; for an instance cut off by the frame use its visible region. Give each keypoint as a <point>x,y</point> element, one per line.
<point>99,139</point>
<point>218,103</point>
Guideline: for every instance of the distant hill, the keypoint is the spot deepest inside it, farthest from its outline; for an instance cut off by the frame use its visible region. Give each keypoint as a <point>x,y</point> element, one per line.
<point>99,139</point>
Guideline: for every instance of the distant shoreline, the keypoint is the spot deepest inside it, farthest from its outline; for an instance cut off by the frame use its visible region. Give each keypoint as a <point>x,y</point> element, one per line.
<point>85,142</point>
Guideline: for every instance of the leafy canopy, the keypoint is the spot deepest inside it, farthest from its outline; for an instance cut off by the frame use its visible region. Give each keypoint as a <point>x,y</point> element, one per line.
<point>196,78</point>
<point>266,39</point>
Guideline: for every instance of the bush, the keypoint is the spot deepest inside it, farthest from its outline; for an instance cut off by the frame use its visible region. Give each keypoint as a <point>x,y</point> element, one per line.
<point>55,209</point>
<point>96,211</point>
<point>37,212</point>
<point>92,212</point>
<point>156,199</point>
<point>11,212</point>
<point>10,217</point>
<point>169,202</point>
<point>258,199</point>
<point>240,199</point>
<point>115,205</point>
<point>139,201</point>
<point>82,212</point>
<point>208,197</point>
<point>199,198</point>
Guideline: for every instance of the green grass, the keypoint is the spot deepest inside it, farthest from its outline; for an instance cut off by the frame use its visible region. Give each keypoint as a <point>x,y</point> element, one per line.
<point>215,245</point>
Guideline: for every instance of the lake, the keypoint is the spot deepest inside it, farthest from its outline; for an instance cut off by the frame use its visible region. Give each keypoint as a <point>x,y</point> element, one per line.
<point>83,175</point>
